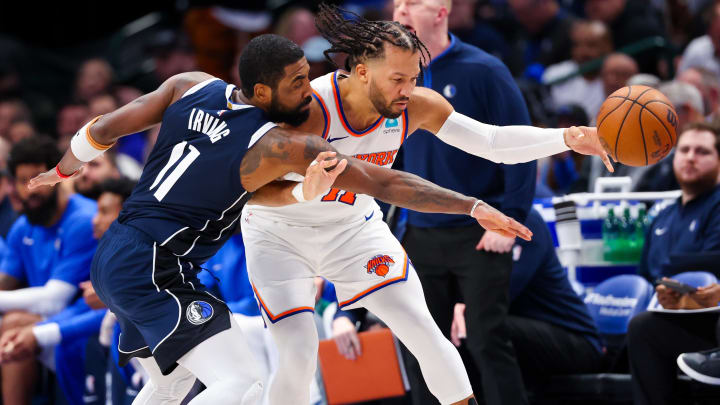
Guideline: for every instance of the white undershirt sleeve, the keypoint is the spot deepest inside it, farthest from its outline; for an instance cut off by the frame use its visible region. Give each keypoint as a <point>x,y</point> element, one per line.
<point>47,334</point>
<point>46,300</point>
<point>508,144</point>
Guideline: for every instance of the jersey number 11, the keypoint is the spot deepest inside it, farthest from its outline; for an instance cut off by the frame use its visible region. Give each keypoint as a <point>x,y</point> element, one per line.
<point>177,152</point>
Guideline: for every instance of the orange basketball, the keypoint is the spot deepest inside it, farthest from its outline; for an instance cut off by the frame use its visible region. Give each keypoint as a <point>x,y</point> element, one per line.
<point>382,270</point>
<point>637,125</point>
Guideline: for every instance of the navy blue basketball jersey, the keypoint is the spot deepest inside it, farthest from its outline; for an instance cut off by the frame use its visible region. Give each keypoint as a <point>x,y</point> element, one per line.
<point>189,196</point>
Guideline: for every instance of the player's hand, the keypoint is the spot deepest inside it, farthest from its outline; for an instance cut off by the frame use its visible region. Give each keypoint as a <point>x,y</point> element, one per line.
<point>495,221</point>
<point>90,296</point>
<point>457,329</point>
<point>668,298</point>
<point>50,178</point>
<point>585,140</point>
<point>18,344</point>
<point>346,338</point>
<point>319,176</point>
<point>494,242</point>
<point>708,296</point>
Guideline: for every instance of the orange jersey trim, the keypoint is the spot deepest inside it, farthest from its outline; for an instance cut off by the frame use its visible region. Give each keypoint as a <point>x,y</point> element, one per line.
<point>374,288</point>
<point>275,318</point>
<point>341,113</point>
<point>326,114</point>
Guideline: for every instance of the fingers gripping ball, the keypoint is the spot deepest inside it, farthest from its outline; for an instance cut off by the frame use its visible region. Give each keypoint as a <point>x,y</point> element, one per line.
<point>637,125</point>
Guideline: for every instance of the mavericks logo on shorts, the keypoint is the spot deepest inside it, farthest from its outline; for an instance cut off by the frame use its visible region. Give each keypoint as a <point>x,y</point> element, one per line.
<point>199,312</point>
<point>379,265</point>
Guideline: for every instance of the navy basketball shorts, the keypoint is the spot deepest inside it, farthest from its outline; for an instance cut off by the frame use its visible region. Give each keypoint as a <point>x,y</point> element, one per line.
<point>162,308</point>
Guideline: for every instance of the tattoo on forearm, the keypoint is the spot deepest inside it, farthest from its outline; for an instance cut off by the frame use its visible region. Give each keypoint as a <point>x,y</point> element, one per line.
<point>423,195</point>
<point>314,145</point>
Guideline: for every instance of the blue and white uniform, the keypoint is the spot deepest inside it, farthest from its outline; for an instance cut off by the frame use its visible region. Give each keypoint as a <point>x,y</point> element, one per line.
<point>185,206</point>
<point>36,254</point>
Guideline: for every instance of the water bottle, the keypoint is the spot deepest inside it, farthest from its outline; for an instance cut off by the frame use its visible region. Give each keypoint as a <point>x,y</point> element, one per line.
<point>641,226</point>
<point>629,237</point>
<point>610,233</point>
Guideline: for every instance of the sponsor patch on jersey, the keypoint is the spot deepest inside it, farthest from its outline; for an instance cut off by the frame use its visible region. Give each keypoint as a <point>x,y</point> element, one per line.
<point>391,122</point>
<point>199,312</point>
<point>380,265</point>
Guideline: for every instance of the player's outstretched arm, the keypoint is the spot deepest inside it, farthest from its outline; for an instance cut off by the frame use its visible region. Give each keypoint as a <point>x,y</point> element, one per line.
<point>282,151</point>
<point>101,133</point>
<point>506,144</point>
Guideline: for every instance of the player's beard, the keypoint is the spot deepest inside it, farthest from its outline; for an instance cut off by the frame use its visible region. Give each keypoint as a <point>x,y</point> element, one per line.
<point>699,185</point>
<point>293,117</point>
<point>43,213</point>
<point>380,103</point>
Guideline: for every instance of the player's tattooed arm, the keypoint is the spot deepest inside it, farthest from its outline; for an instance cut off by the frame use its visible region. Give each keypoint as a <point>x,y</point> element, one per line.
<point>282,151</point>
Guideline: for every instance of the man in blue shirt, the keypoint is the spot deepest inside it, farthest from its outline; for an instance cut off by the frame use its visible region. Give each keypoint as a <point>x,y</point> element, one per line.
<point>50,248</point>
<point>481,87</point>
<point>66,333</point>
<point>691,225</point>
<point>550,326</point>
<point>681,238</point>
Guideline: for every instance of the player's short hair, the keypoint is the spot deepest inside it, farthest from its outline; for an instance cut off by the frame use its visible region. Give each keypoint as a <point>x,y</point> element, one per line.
<point>34,150</point>
<point>264,60</point>
<point>363,39</point>
<point>122,187</point>
<point>702,126</point>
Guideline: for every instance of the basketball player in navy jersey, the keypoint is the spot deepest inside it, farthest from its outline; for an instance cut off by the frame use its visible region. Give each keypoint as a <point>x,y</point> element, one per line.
<point>216,146</point>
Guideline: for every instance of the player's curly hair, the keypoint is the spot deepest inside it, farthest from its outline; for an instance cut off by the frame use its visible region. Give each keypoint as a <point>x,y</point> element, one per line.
<point>363,39</point>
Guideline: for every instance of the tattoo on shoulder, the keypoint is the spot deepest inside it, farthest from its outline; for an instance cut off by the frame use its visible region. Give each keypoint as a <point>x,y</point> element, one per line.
<point>273,145</point>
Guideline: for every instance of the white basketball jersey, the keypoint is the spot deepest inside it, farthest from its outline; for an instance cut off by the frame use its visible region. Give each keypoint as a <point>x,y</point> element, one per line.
<point>377,144</point>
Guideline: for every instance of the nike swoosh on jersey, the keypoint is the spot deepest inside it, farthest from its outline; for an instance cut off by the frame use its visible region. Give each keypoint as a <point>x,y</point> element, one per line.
<point>336,139</point>
<point>660,231</point>
<point>370,216</point>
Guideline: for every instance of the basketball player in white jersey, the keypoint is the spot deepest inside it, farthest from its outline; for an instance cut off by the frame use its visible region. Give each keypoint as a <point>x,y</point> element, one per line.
<point>367,112</point>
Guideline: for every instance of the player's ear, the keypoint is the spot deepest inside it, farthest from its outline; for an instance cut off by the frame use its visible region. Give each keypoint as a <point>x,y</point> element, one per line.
<point>441,14</point>
<point>262,93</point>
<point>361,70</point>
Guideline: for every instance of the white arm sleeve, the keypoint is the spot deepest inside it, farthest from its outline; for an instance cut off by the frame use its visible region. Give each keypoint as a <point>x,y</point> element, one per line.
<point>46,300</point>
<point>47,334</point>
<point>510,144</point>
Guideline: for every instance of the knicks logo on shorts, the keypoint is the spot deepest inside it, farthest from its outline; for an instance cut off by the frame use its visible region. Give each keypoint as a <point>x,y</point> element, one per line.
<point>380,265</point>
<point>199,312</point>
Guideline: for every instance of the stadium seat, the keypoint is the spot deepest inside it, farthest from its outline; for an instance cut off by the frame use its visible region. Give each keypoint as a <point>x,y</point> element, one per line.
<point>612,304</point>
